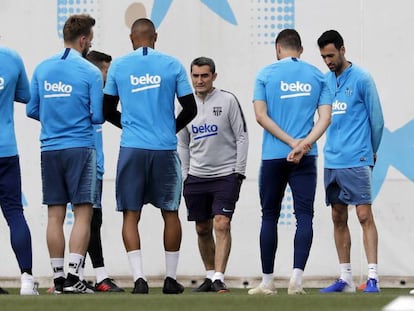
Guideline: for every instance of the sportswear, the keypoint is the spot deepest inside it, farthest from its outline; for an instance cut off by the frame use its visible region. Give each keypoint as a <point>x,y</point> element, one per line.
<point>99,151</point>
<point>357,121</point>
<point>147,82</point>
<point>67,99</point>
<point>292,90</point>
<point>14,86</point>
<point>215,143</point>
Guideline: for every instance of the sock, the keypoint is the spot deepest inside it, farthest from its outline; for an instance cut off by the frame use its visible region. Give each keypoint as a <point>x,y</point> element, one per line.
<point>372,271</point>
<point>57,266</point>
<point>75,263</point>
<point>218,276</point>
<point>171,263</point>
<point>210,274</point>
<point>101,274</point>
<point>82,270</point>
<point>135,261</point>
<point>346,272</point>
<point>297,275</point>
<point>267,278</point>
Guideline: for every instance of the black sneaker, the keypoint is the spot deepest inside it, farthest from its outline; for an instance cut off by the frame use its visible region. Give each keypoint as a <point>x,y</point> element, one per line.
<point>3,291</point>
<point>204,287</point>
<point>171,286</point>
<point>140,287</point>
<point>59,282</point>
<point>89,287</point>
<point>219,287</point>
<point>108,285</point>
<point>73,285</point>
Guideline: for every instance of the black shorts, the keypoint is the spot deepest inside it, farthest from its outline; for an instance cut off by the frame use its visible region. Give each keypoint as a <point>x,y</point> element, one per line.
<point>207,197</point>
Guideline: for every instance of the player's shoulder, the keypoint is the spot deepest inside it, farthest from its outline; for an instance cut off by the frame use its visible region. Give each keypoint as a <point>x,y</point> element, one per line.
<point>10,54</point>
<point>226,95</point>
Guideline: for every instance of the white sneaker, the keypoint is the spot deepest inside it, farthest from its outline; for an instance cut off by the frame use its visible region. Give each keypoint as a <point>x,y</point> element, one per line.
<point>294,288</point>
<point>263,290</point>
<point>412,292</point>
<point>28,285</point>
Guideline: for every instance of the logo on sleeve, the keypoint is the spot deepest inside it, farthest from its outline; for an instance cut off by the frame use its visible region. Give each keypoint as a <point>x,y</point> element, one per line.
<point>144,82</point>
<point>58,89</point>
<point>295,89</point>
<point>2,83</point>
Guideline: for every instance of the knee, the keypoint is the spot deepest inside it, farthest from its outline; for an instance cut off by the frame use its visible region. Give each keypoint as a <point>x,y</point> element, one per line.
<point>204,229</point>
<point>221,223</point>
<point>365,216</point>
<point>339,218</point>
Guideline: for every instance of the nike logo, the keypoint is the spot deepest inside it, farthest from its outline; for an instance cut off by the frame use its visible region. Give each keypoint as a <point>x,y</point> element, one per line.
<point>227,210</point>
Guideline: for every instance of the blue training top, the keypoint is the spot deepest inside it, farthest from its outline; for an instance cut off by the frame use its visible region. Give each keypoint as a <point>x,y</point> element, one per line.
<point>147,82</point>
<point>14,86</point>
<point>293,90</point>
<point>357,121</point>
<point>97,130</point>
<point>67,99</point>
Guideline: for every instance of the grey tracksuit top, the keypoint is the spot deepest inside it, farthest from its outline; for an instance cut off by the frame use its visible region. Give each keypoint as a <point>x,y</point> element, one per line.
<point>215,143</point>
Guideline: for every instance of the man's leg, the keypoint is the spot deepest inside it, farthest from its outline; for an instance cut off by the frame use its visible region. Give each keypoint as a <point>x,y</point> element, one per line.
<point>206,244</point>
<point>172,243</point>
<point>223,242</point>
<point>342,235</point>
<point>370,238</point>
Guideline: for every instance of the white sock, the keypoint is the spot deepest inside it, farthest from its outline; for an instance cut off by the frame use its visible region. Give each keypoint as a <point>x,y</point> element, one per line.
<point>57,266</point>
<point>218,276</point>
<point>135,261</point>
<point>82,270</point>
<point>297,275</point>
<point>171,263</point>
<point>372,271</point>
<point>75,263</point>
<point>267,278</point>
<point>100,274</point>
<point>210,274</point>
<point>346,272</point>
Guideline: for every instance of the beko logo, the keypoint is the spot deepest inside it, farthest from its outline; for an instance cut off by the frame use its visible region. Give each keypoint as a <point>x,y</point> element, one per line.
<point>295,89</point>
<point>204,130</point>
<point>338,107</point>
<point>58,89</point>
<point>144,82</point>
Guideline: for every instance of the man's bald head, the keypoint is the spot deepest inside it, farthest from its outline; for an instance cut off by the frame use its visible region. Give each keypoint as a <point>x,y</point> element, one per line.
<point>143,33</point>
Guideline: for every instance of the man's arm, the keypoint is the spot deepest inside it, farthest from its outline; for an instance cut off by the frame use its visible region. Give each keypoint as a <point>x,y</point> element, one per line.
<point>260,110</point>
<point>110,112</point>
<point>188,112</point>
<point>324,119</point>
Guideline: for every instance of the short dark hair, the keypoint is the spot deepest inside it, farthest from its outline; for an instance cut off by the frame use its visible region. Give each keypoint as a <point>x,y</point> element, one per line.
<point>96,58</point>
<point>289,38</point>
<point>77,25</point>
<point>331,36</point>
<point>203,61</point>
<point>143,22</point>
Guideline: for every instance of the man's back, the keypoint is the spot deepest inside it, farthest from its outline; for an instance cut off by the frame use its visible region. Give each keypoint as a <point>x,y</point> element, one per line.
<point>292,90</point>
<point>147,82</point>
<point>14,86</point>
<point>67,99</point>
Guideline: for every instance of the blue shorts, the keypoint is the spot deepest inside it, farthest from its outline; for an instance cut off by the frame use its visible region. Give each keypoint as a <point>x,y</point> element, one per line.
<point>207,197</point>
<point>69,175</point>
<point>348,186</point>
<point>148,176</point>
<point>98,194</point>
<point>10,184</point>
